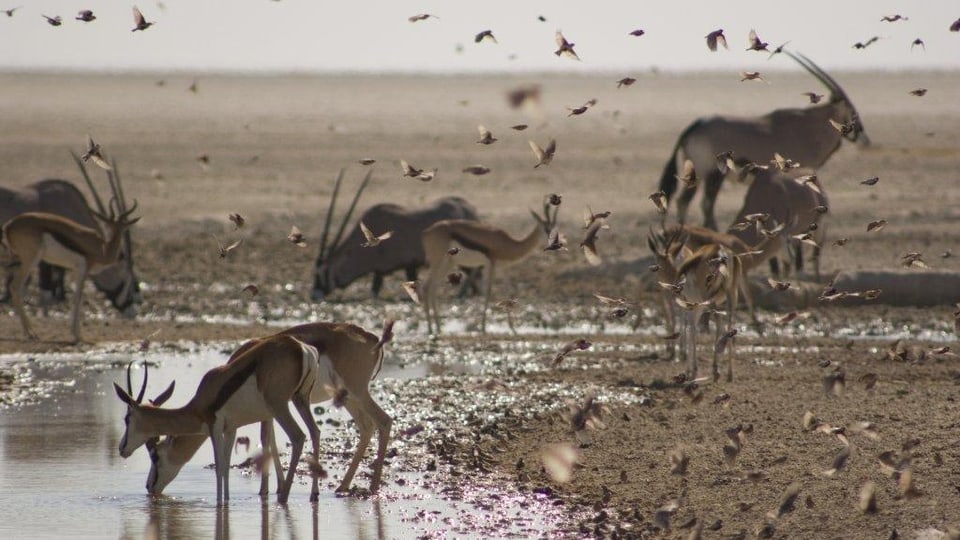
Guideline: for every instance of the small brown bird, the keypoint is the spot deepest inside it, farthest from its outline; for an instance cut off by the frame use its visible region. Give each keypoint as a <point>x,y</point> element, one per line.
<point>296,237</point>
<point>778,49</point>
<point>525,95</point>
<point>678,460</point>
<point>575,345</point>
<point>238,221</point>
<point>252,289</point>
<point>590,217</point>
<point>865,44</point>
<point>53,21</point>
<point>556,241</point>
<point>954,26</point>
<point>844,128</point>
<point>519,127</point>
<point>778,285</point>
<point>558,461</point>
<point>894,18</point>
<point>715,37</point>
<point>870,181</point>
<point>919,42</point>
<point>485,35</point>
<point>626,81</point>
<point>751,76</point>
<point>637,33</point>
<point>589,243</point>
<point>85,15</point>
<point>782,163</point>
<point>913,259</point>
<point>555,199</point>
<point>868,498</point>
<point>412,288</point>
<point>453,251</point>
<point>660,201</point>
<point>689,175</point>
<point>876,225</point>
<point>755,44</point>
<point>373,240</point>
<point>10,12</point>
<point>224,250</point>
<point>366,161</point>
<point>410,170</point>
<point>725,162</point>
<point>564,47</point>
<point>94,152</point>
<point>544,156</point>
<point>485,136</point>
<point>919,92</point>
<point>477,170</point>
<point>787,499</point>
<point>813,97</point>
<point>139,22</point>
<point>455,278</point>
<point>421,17</point>
<point>721,344</point>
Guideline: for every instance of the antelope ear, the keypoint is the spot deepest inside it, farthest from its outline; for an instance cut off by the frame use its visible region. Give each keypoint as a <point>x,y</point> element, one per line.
<point>123,395</point>
<point>164,396</point>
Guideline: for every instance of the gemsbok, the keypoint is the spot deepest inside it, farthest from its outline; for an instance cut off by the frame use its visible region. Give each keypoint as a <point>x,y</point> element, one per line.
<point>340,263</point>
<point>473,244</point>
<point>804,135</point>
<point>793,198</point>
<point>356,356</point>
<point>118,281</point>
<point>257,386</point>
<point>35,236</point>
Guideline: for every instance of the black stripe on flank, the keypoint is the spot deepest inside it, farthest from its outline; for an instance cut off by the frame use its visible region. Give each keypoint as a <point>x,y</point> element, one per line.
<point>472,246</point>
<point>65,242</point>
<point>231,386</point>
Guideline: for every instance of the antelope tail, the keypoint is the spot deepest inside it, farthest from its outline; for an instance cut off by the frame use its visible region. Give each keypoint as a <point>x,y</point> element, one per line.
<point>668,181</point>
<point>385,338</point>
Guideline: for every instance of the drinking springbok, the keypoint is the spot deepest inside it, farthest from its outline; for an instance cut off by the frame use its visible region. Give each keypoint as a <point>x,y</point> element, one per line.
<point>256,387</point>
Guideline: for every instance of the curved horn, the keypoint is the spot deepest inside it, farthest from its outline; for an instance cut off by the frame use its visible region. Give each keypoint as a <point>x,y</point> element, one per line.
<point>326,222</point>
<point>143,388</point>
<point>820,75</point>
<point>353,205</point>
<point>129,378</point>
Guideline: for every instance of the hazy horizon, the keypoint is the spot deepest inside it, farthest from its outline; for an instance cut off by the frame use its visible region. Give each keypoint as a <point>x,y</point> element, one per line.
<point>297,37</point>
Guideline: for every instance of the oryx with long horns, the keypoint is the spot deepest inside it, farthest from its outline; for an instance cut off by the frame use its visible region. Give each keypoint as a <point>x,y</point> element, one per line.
<point>806,136</point>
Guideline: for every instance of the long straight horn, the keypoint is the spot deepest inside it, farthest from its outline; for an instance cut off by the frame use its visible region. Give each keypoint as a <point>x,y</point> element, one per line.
<point>326,222</point>
<point>114,176</point>
<point>353,205</point>
<point>819,74</point>
<point>143,388</point>
<point>93,190</point>
<point>129,378</point>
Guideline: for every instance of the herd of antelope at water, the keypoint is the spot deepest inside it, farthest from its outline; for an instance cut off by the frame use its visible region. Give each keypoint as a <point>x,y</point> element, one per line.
<point>698,270</point>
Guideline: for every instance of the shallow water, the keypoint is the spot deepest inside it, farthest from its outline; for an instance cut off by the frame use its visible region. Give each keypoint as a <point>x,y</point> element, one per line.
<point>61,474</point>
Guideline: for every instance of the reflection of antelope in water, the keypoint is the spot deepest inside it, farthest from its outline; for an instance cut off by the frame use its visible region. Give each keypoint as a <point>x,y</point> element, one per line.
<point>117,281</point>
<point>340,263</point>
<point>795,200</point>
<point>803,135</point>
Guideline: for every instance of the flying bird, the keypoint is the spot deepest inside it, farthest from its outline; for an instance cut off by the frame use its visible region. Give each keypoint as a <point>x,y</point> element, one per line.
<point>478,170</point>
<point>575,111</point>
<point>421,17</point>
<point>565,48</point>
<point>919,42</point>
<point>894,18</point>
<point>919,92</point>
<point>224,250</point>
<point>485,35</point>
<point>412,288</point>
<point>751,76</point>
<point>9,12</point>
<point>366,161</point>
<point>876,225</point>
<point>139,22</point>
<point>485,136</point>
<point>844,128</point>
<point>782,163</point>
<point>237,220</point>
<point>519,127</point>
<point>252,289</point>
<point>778,50</point>
<point>544,155</point>
<point>715,37</point>
<point>865,44</point>
<point>53,21</point>
<point>556,241</point>
<point>373,240</point>
<point>85,15</point>
<point>410,170</point>
<point>95,153</point>
<point>954,26</point>
<point>638,32</point>
<point>813,97</point>
<point>296,237</point>
<point>589,243</point>
<point>660,201</point>
<point>870,181</point>
<point>575,345</point>
<point>626,81</point>
<point>755,43</point>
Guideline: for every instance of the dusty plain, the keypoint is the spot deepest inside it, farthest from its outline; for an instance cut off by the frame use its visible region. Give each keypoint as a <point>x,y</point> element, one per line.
<point>275,144</point>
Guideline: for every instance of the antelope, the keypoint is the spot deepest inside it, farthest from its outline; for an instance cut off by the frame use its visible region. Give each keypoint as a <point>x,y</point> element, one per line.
<point>789,201</point>
<point>356,357</point>
<point>118,281</point>
<point>35,236</point>
<point>256,387</point>
<point>341,263</point>
<point>804,135</point>
<point>475,243</point>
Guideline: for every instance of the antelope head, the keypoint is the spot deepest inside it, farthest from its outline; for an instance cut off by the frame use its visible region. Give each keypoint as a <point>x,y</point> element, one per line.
<point>846,113</point>
<point>134,436</point>
<point>323,277</point>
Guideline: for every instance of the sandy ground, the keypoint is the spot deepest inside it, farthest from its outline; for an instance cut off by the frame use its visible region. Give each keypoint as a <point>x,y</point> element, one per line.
<point>275,144</point>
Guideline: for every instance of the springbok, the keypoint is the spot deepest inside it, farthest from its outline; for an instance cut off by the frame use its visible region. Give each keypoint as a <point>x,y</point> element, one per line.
<point>472,244</point>
<point>803,135</point>
<point>356,356</point>
<point>117,281</point>
<point>35,236</point>
<point>256,387</point>
<point>341,263</point>
<point>789,200</point>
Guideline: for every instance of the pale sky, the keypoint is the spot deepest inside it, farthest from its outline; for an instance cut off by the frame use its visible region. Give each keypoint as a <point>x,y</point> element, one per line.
<point>358,35</point>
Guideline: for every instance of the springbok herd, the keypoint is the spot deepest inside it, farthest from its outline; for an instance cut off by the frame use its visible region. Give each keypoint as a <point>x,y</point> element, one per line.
<point>699,270</point>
